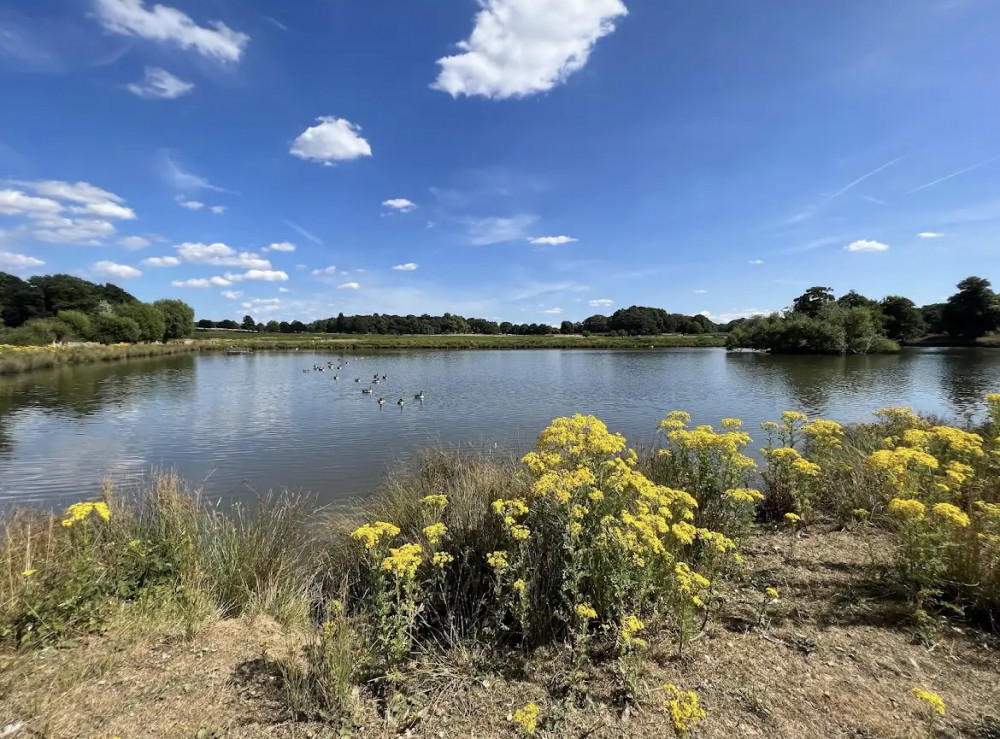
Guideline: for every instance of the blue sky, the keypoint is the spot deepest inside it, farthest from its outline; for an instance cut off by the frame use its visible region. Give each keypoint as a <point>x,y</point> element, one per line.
<point>523,160</point>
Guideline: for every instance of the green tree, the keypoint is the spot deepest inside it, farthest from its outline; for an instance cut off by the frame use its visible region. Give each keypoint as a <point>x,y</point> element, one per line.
<point>854,299</point>
<point>206,323</point>
<point>811,302</point>
<point>973,311</point>
<point>249,324</point>
<point>566,327</point>
<point>78,322</point>
<point>150,319</point>
<point>933,316</point>
<point>904,321</point>
<point>596,324</point>
<point>179,317</point>
<point>273,327</point>
<point>116,330</point>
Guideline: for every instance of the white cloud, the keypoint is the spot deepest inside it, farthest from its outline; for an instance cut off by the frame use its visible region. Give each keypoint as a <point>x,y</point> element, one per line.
<point>601,303</point>
<point>306,234</point>
<point>179,178</point>
<point>553,311</point>
<point>401,204</point>
<point>134,242</point>
<point>349,286</point>
<point>202,282</point>
<point>121,271</point>
<point>166,24</point>
<point>9,260</point>
<point>866,245</point>
<point>220,255</point>
<point>485,231</point>
<point>929,235</point>
<point>17,203</point>
<point>218,209</point>
<point>324,271</point>
<point>285,246</point>
<point>552,240</point>
<point>161,261</point>
<point>258,275</point>
<point>408,267</point>
<point>756,261</point>
<point>232,294</point>
<point>283,290</point>
<point>521,47</point>
<point>189,204</point>
<point>331,140</point>
<point>700,292</point>
<point>58,230</point>
<point>160,84</point>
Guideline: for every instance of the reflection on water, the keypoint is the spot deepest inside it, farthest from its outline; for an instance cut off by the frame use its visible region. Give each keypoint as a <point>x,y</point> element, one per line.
<point>243,423</point>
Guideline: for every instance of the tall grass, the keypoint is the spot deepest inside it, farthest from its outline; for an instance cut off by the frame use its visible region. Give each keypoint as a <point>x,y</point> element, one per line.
<point>25,359</point>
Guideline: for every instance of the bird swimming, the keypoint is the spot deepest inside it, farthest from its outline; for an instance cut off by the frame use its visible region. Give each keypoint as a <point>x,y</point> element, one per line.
<point>400,402</point>
<point>419,396</point>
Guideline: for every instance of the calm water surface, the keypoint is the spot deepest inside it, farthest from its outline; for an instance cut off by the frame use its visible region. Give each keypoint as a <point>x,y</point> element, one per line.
<point>239,424</point>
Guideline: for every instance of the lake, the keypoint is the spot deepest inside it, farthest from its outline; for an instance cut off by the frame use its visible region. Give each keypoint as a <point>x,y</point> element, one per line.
<point>237,425</point>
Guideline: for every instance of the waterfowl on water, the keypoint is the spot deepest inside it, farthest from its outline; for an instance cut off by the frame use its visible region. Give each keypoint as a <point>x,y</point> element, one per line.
<point>419,396</point>
<point>366,391</point>
<point>336,378</point>
<point>357,379</point>
<point>381,401</point>
<point>400,402</point>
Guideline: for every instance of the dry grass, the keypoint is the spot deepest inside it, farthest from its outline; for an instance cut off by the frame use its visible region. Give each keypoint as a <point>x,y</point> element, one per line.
<point>835,658</point>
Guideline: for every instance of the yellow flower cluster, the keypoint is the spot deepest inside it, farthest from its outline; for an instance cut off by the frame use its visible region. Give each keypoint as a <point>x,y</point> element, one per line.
<point>793,518</point>
<point>823,427</point>
<point>442,559</point>
<point>631,626</point>
<point>435,502</point>
<point>498,560</point>
<point>953,514</point>
<point>690,583</point>
<point>933,700</point>
<point>527,718</point>
<point>576,437</point>
<point>372,533</point>
<point>907,508</point>
<point>745,495</point>
<point>79,512</point>
<point>731,423</point>
<point>435,533</point>
<point>511,511</point>
<point>585,610</point>
<point>403,561</point>
<point>685,710</point>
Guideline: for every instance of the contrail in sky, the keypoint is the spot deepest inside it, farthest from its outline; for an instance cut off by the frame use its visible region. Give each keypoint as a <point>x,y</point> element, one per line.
<point>863,178</point>
<point>955,174</point>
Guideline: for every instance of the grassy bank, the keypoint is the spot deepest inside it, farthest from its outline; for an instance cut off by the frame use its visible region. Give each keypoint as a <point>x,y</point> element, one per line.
<point>15,359</point>
<point>368,342</point>
<point>991,341</point>
<point>563,595</point>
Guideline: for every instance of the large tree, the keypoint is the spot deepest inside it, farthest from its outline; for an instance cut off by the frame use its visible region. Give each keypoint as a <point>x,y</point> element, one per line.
<point>904,321</point>
<point>973,310</point>
<point>179,317</point>
<point>811,302</point>
<point>151,321</point>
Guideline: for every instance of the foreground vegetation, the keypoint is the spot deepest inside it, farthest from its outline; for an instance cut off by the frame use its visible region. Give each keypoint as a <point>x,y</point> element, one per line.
<point>608,593</point>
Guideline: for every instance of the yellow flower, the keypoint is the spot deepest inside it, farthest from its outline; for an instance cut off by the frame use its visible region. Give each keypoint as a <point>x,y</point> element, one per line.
<point>403,561</point>
<point>435,532</point>
<point>435,501</point>
<point>498,560</point>
<point>823,427</point>
<point>79,512</point>
<point>993,398</point>
<point>527,718</point>
<point>931,699</point>
<point>520,533</point>
<point>793,518</point>
<point>520,585</point>
<point>631,626</point>
<point>953,514</point>
<point>685,711</point>
<point>772,592</point>
<point>28,573</point>
<point>585,610</point>
<point>372,533</point>
<point>579,511</point>
<point>793,416</point>
<point>805,467</point>
<point>907,508</point>
<point>744,495</point>
<point>441,559</point>
<point>596,496</point>
<point>731,423</point>
<point>688,581</point>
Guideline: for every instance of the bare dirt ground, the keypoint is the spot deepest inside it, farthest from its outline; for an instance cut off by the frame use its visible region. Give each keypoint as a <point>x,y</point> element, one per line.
<point>835,656</point>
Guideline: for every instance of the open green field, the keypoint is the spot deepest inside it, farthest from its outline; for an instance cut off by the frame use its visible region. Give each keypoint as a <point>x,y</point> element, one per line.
<point>350,342</point>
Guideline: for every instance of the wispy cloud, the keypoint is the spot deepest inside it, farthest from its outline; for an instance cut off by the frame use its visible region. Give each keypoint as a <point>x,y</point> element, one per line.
<point>276,23</point>
<point>867,245</point>
<point>180,179</point>
<point>700,292</point>
<point>600,303</point>
<point>929,235</point>
<point>302,232</point>
<point>870,199</point>
<point>954,174</point>
<point>408,267</point>
<point>485,231</point>
<point>552,240</point>
<point>756,261</point>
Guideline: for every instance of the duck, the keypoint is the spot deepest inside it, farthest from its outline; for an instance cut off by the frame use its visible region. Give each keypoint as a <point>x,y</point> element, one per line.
<point>419,396</point>
<point>336,378</point>
<point>357,379</point>
<point>381,401</point>
<point>366,391</point>
<point>400,402</point>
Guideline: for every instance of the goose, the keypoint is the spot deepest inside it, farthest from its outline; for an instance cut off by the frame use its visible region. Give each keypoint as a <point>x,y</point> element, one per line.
<point>400,402</point>
<point>336,378</point>
<point>366,391</point>
<point>419,396</point>
<point>357,379</point>
<point>381,401</point>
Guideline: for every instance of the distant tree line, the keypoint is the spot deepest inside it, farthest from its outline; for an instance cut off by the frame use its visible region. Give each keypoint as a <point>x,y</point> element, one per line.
<point>55,308</point>
<point>821,323</point>
<point>633,321</point>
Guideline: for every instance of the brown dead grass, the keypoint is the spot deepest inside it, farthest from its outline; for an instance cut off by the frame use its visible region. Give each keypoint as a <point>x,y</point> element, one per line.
<point>837,659</point>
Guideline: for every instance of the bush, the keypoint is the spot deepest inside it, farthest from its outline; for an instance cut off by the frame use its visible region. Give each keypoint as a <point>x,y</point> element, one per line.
<point>115,330</point>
